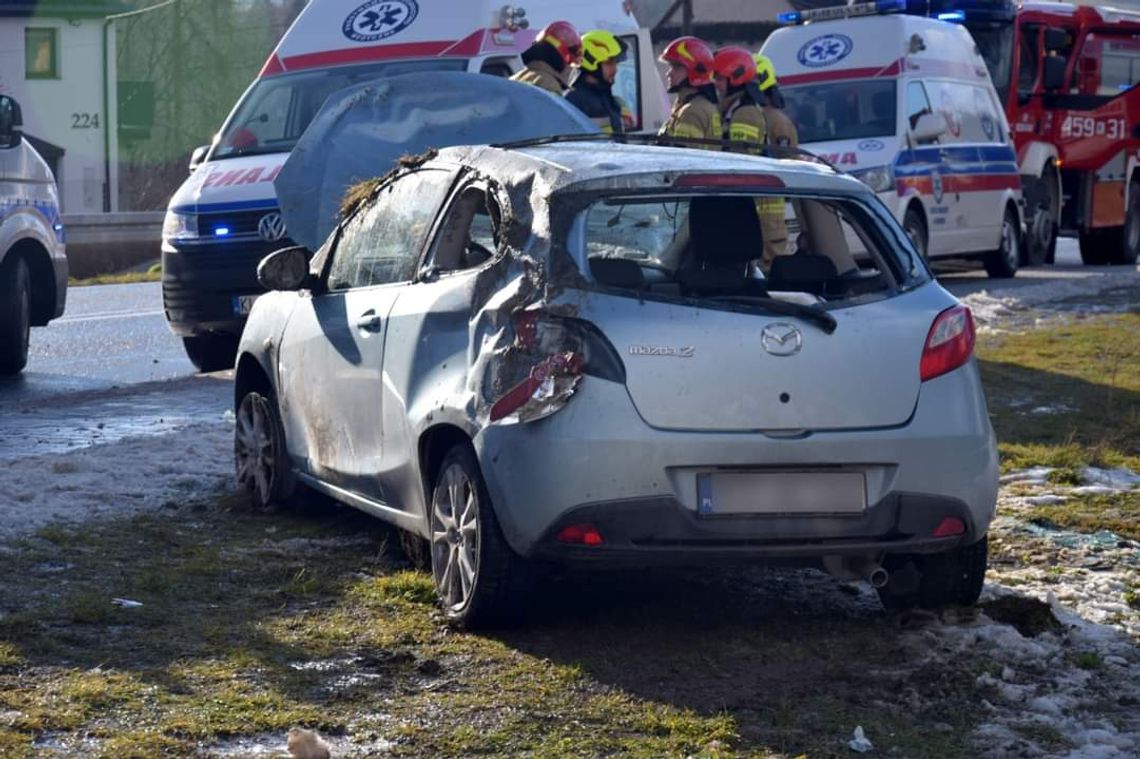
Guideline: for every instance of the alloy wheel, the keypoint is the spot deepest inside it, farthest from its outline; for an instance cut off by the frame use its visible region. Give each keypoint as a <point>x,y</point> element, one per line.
<point>455,536</point>
<point>255,448</point>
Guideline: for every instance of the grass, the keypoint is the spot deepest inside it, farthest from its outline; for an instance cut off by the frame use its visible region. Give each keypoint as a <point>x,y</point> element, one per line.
<point>249,625</point>
<point>1117,512</point>
<point>1086,374</point>
<point>153,274</point>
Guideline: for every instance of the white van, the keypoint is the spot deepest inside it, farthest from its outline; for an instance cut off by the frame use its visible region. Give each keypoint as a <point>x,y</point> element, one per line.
<point>33,264</point>
<point>906,104</point>
<point>226,217</point>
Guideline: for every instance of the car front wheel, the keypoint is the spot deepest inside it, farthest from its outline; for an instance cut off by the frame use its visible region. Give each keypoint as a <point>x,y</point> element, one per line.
<point>480,581</point>
<point>934,581</point>
<point>15,314</point>
<point>260,458</point>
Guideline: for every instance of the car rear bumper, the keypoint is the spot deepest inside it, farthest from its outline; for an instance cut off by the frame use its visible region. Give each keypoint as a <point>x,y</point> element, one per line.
<point>200,282</point>
<point>597,461</point>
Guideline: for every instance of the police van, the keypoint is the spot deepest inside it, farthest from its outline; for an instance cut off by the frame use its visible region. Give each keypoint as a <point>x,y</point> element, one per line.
<point>906,104</point>
<point>226,216</point>
<point>33,264</point>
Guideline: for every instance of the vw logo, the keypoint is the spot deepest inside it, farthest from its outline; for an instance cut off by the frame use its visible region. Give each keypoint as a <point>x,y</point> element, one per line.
<point>825,50</point>
<point>271,228</point>
<point>781,339</point>
<point>377,19</point>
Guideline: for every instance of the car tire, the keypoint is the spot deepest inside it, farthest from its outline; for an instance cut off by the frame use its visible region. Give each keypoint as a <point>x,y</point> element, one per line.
<point>915,229</point>
<point>1042,228</point>
<point>1097,246</point>
<point>480,581</point>
<point>211,353</point>
<point>935,581</point>
<point>1129,250</point>
<point>261,459</point>
<point>15,314</point>
<point>1002,263</point>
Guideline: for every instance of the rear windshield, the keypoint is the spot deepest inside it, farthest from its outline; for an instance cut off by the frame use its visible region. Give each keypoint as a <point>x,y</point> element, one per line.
<point>843,110</point>
<point>275,111</point>
<point>803,249</point>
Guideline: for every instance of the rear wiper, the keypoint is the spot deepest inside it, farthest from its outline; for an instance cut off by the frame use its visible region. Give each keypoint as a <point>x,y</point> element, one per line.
<point>814,314</point>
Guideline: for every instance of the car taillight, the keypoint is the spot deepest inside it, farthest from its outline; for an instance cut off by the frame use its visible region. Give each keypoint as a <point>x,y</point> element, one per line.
<point>949,344</point>
<point>581,534</point>
<point>564,350</point>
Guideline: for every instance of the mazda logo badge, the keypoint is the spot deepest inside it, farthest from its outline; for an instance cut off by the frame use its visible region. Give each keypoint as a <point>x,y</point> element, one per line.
<point>781,339</point>
<point>271,228</point>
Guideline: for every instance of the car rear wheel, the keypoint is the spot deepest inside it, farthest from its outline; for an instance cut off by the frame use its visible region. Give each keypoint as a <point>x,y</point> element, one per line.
<point>1002,263</point>
<point>480,581</point>
<point>211,353</point>
<point>934,581</point>
<point>260,457</point>
<point>15,314</point>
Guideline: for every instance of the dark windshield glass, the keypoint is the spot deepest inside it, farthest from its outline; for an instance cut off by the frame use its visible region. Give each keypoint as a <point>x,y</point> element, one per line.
<point>995,43</point>
<point>275,111</point>
<point>843,110</point>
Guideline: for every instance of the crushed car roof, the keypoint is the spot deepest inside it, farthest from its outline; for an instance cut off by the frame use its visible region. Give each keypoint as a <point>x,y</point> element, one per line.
<point>564,163</point>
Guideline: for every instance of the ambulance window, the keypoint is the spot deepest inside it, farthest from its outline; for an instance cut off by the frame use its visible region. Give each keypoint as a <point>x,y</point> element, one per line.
<point>1027,61</point>
<point>496,67</point>
<point>916,102</point>
<point>627,84</point>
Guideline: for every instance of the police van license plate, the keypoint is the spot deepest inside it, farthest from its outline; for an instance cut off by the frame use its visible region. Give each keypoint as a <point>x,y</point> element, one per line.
<point>805,492</point>
<point>243,303</point>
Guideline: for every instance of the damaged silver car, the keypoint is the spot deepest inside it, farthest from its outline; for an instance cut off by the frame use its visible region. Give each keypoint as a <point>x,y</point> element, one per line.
<point>564,351</point>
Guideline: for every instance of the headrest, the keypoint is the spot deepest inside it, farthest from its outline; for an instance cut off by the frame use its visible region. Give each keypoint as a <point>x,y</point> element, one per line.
<point>724,231</point>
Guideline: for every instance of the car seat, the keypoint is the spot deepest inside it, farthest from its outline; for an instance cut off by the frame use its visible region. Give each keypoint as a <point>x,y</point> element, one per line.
<point>724,235</point>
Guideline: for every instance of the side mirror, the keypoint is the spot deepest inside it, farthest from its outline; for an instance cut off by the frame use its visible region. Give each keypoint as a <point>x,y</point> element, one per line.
<point>11,119</point>
<point>285,269</point>
<point>928,128</point>
<point>198,156</point>
<point>1053,75</point>
<point>1055,39</point>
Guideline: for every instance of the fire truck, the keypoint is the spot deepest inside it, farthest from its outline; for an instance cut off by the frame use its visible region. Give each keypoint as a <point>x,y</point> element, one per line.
<point>1066,75</point>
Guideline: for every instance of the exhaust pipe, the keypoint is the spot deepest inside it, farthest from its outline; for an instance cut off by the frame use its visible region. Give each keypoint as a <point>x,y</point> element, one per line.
<point>857,568</point>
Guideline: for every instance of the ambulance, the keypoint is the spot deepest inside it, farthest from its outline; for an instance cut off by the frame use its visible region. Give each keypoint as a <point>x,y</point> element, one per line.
<point>226,216</point>
<point>906,104</point>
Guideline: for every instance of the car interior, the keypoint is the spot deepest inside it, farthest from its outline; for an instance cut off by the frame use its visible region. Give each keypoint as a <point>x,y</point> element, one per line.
<point>711,246</point>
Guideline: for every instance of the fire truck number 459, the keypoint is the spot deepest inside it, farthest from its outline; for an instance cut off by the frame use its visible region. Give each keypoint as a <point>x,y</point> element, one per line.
<point>1088,126</point>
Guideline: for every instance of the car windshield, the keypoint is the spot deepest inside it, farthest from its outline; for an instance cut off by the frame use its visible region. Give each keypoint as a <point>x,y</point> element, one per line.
<point>843,110</point>
<point>995,43</point>
<point>720,246</point>
<point>276,110</point>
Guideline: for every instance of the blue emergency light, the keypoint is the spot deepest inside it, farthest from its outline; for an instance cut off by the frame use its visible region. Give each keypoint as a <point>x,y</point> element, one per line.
<point>789,17</point>
<point>842,11</point>
<point>952,16</point>
<point>221,231</point>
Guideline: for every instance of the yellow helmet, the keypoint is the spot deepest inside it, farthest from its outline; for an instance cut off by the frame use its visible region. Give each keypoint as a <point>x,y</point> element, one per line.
<point>765,71</point>
<point>599,46</point>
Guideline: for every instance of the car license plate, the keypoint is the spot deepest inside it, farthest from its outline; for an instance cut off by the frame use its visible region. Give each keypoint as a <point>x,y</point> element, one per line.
<point>803,492</point>
<point>243,303</point>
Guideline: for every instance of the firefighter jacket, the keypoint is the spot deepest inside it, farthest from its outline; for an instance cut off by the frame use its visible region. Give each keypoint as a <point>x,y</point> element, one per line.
<point>743,119</point>
<point>594,97</point>
<point>694,115</point>
<point>781,130</point>
<point>542,74</point>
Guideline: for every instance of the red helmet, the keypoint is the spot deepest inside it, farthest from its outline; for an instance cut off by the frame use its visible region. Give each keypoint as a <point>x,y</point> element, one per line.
<point>694,55</point>
<point>735,64</point>
<point>563,37</point>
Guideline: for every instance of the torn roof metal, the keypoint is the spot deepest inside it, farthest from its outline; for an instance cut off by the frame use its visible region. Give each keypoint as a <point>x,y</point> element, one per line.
<point>362,131</point>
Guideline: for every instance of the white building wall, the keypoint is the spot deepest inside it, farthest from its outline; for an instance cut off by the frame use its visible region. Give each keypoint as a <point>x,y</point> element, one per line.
<point>68,111</point>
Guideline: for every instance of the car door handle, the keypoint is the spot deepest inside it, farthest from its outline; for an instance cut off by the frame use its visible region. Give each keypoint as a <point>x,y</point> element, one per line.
<point>370,321</point>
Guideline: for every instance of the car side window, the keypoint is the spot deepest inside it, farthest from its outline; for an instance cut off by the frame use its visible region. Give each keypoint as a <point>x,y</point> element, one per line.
<point>381,244</point>
<point>467,237</point>
<point>916,102</point>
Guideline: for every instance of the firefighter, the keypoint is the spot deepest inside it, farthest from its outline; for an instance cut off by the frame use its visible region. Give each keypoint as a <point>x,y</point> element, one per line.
<point>547,62</point>
<point>781,133</point>
<point>592,89</point>
<point>741,100</point>
<point>695,113</point>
